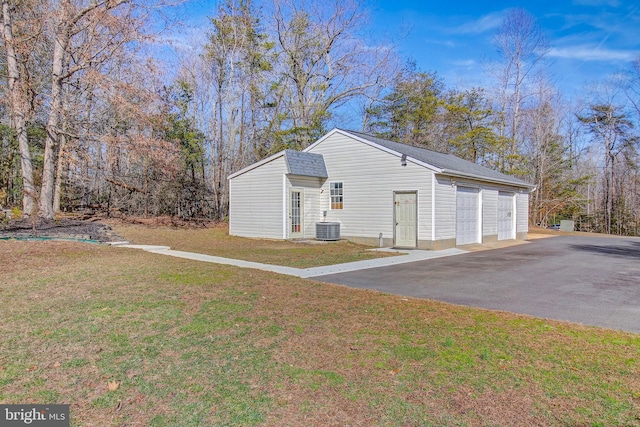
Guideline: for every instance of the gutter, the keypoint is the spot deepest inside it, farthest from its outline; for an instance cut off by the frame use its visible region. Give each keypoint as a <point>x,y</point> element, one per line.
<point>520,184</point>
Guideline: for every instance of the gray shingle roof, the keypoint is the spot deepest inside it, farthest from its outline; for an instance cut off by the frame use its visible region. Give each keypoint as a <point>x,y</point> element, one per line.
<point>447,163</point>
<point>305,164</point>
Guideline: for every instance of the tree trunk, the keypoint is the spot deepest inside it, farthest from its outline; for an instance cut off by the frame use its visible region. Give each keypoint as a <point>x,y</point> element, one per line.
<point>51,140</point>
<point>19,111</point>
<point>67,20</point>
<point>58,182</point>
<point>516,109</point>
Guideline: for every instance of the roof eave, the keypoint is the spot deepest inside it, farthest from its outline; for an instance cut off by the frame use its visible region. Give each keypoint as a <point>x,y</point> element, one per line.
<point>257,164</point>
<point>530,187</point>
<point>306,175</point>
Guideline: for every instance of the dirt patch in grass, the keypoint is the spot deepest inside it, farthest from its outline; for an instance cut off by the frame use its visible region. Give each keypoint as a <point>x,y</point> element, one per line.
<point>130,338</point>
<point>214,239</point>
<point>70,228</point>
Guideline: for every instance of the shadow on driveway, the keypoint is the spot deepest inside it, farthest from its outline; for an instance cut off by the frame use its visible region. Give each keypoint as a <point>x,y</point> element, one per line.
<point>583,279</point>
<point>626,251</point>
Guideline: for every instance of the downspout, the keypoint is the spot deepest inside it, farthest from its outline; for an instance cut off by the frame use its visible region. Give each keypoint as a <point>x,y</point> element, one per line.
<point>433,207</point>
<point>285,210</point>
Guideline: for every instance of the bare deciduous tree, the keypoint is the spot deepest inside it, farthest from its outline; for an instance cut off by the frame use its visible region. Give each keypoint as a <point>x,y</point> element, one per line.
<point>611,129</point>
<point>86,35</point>
<point>18,102</point>
<point>323,63</point>
<point>523,46</point>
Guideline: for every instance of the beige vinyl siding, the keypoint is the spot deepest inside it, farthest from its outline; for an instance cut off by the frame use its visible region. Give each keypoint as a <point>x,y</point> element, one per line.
<point>445,209</point>
<point>256,201</point>
<point>522,212</point>
<point>489,211</point>
<point>370,176</point>
<point>310,187</point>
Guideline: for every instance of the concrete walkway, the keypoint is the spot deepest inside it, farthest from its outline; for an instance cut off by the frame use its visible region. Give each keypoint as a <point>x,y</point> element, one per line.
<point>410,256</point>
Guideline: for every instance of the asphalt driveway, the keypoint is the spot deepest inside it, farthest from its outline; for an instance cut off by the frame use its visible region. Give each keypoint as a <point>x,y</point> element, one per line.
<point>589,280</point>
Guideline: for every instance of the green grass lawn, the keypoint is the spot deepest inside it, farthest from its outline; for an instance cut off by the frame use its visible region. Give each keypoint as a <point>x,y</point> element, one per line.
<point>215,240</point>
<point>130,338</point>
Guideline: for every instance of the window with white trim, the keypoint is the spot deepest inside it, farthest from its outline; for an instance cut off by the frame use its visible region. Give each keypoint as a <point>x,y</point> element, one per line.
<point>337,195</point>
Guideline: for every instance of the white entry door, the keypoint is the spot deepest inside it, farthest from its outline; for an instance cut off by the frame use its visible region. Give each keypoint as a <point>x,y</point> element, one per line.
<point>467,216</point>
<point>506,216</point>
<point>406,228</point>
<point>296,214</point>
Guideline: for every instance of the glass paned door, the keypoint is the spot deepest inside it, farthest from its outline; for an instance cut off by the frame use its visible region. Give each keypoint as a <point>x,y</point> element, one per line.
<point>295,214</point>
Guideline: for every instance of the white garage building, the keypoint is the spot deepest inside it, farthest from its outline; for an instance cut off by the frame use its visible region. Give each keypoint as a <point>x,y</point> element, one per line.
<point>374,188</point>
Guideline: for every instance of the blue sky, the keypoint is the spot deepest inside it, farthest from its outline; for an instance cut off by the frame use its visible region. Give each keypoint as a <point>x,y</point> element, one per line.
<point>588,39</point>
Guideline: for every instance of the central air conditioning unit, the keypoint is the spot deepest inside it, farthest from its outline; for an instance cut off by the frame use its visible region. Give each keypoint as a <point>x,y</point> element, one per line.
<point>327,230</point>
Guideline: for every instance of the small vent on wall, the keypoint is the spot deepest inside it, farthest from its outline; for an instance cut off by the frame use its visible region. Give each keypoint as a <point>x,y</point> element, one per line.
<point>327,230</point>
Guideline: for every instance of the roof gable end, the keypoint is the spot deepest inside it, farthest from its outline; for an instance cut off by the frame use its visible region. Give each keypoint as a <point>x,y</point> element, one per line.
<point>446,164</point>
<point>371,141</point>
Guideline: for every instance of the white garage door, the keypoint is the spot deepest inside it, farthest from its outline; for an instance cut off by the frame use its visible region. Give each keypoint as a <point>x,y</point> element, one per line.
<point>467,218</point>
<point>506,216</point>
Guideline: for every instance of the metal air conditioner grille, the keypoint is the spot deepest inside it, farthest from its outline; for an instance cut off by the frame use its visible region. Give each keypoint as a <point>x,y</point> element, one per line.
<point>327,230</point>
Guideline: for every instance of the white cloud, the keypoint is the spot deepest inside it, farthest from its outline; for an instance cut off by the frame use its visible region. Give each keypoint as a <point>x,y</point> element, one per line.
<point>590,53</point>
<point>481,25</point>
<point>465,63</point>
<point>612,3</point>
<point>445,43</point>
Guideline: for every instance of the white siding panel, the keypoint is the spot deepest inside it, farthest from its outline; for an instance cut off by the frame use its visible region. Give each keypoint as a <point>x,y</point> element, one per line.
<point>370,177</point>
<point>445,209</point>
<point>489,211</point>
<point>255,201</point>
<point>312,206</point>
<point>522,212</point>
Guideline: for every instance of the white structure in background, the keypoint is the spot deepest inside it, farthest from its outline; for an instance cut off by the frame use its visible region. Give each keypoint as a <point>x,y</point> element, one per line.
<point>377,190</point>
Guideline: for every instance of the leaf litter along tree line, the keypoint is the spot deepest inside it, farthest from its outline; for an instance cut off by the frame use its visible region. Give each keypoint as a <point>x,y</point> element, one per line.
<point>88,120</point>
